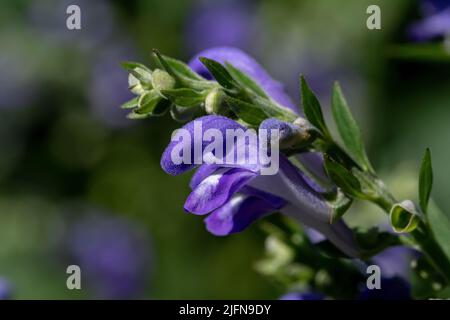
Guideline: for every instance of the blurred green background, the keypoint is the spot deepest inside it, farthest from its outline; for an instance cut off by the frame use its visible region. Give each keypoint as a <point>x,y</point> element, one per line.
<point>67,152</point>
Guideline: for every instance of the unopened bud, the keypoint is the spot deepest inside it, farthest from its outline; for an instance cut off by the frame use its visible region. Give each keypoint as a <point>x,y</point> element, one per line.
<point>135,85</point>
<point>290,134</point>
<point>161,80</point>
<point>214,102</point>
<point>404,216</point>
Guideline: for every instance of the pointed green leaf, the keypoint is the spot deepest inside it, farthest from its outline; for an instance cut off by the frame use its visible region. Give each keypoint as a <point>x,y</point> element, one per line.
<point>182,69</point>
<point>244,80</point>
<point>339,204</point>
<point>440,225</point>
<point>425,181</point>
<point>273,110</point>
<point>184,97</point>
<point>182,74</point>
<point>133,103</point>
<point>182,114</point>
<point>348,129</point>
<point>151,104</point>
<point>343,178</point>
<point>139,71</point>
<point>222,76</point>
<point>246,111</point>
<point>312,109</point>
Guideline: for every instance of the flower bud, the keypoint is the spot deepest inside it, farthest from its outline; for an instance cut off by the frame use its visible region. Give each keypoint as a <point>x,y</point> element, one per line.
<point>135,85</point>
<point>214,102</point>
<point>290,134</point>
<point>404,216</point>
<point>161,80</point>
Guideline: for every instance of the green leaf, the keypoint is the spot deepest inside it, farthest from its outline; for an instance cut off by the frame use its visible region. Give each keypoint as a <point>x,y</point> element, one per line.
<point>222,76</point>
<point>348,129</point>
<point>139,71</point>
<point>404,217</point>
<point>312,109</point>
<point>343,178</point>
<point>133,103</point>
<point>244,80</point>
<point>440,225</point>
<point>184,97</point>
<point>425,181</point>
<point>339,204</point>
<point>273,110</point>
<point>181,74</point>
<point>151,104</point>
<point>246,111</point>
<point>182,69</point>
<point>182,114</point>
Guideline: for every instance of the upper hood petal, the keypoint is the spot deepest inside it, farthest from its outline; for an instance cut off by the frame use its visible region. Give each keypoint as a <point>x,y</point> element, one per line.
<point>207,122</point>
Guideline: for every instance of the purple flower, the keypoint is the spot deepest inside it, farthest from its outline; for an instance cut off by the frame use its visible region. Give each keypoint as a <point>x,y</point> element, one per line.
<point>5,289</point>
<point>302,296</point>
<point>395,261</point>
<point>108,87</point>
<point>17,79</point>
<point>97,20</point>
<point>113,255</point>
<point>436,23</point>
<point>235,195</point>
<point>219,23</point>
<point>247,64</point>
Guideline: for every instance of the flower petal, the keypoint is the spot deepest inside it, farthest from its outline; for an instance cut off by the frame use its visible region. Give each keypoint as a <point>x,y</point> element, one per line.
<point>288,132</point>
<point>289,183</point>
<point>237,214</point>
<point>393,288</point>
<point>338,233</point>
<point>217,189</point>
<point>203,172</point>
<point>207,122</point>
<point>274,201</point>
<point>247,64</point>
<point>395,261</point>
<point>434,26</point>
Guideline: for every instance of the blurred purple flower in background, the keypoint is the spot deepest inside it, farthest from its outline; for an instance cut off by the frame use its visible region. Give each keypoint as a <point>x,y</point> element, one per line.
<point>17,83</point>
<point>108,87</point>
<point>436,22</point>
<point>48,17</point>
<point>5,289</point>
<point>220,23</point>
<point>392,288</point>
<point>396,261</point>
<point>114,256</point>
<point>395,266</point>
<point>302,296</point>
<point>101,43</point>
